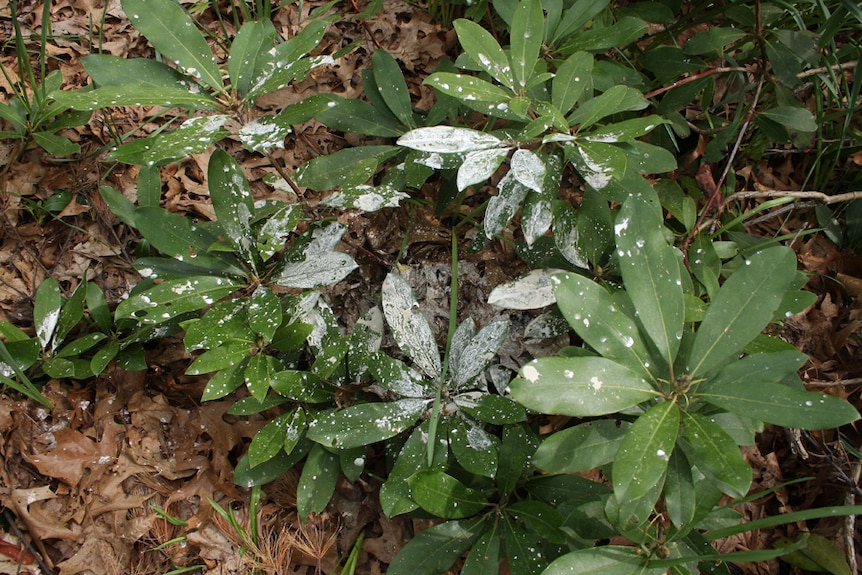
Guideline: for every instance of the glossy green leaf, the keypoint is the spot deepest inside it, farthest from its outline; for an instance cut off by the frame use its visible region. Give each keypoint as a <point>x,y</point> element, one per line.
<point>515,452</point>
<point>251,406</point>
<point>397,377</point>
<point>598,320</point>
<point>743,307</point>
<point>46,311</point>
<point>819,555</point>
<point>232,201</point>
<point>295,430</point>
<point>218,358</point>
<point>716,454</point>
<point>172,32</point>
<point>475,93</point>
<point>317,481</point>
<point>526,40</point>
<point>365,423</point>
<point>389,80</point>
<point>79,346</point>
<point>347,167</point>
<point>436,549</point>
<point>302,386</point>
<point>264,312</point>
<point>444,496</point>
<point>615,100</point>
<point>358,116</point>
<point>175,236</point>
<point>172,298</point>
<point>502,207</point>
<point>598,163</point>
<point>624,32</point>
<point>484,557</point>
<point>646,158</point>
<point>269,441</point>
<point>643,456</point>
<point>225,381</point>
<point>712,40</point>
<point>493,409</point>
<point>247,53</point>
<point>104,356</point>
<point>259,374</point>
<point>772,367</point>
<point>604,560</point>
<point>624,131</point>
<point>781,405</point>
<point>576,17</point>
<point>276,467</point>
<point>541,517</point>
<point>412,457</point>
<point>119,205</point>
<point>524,549</point>
<point>55,144</point>
<point>474,448</point>
<point>409,327</point>
<point>580,448</point>
<point>679,490</point>
<point>581,386</point>
<point>484,50</point>
<point>572,78</point>
<point>133,95</point>
<point>193,136</point>
<point>224,322</point>
<point>651,273</point>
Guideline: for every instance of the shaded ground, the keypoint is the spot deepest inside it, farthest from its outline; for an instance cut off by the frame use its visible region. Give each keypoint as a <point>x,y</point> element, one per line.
<point>84,483</point>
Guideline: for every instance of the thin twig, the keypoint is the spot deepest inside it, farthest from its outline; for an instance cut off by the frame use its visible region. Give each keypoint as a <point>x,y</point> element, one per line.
<point>10,519</point>
<point>850,521</point>
<point>820,197</point>
<point>815,71</point>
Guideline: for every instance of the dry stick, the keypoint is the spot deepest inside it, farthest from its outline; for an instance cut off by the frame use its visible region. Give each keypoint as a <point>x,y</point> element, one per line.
<point>819,197</point>
<point>10,519</point>
<point>850,522</point>
<point>283,173</point>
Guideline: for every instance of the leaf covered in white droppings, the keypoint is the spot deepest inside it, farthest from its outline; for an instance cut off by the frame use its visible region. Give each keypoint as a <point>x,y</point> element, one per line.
<point>448,140</point>
<point>530,291</point>
<point>409,326</point>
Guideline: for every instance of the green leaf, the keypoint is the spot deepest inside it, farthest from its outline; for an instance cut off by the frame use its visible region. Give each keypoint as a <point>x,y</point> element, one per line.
<point>598,163</point>
<point>251,406</point>
<point>276,229</point>
<point>475,93</point>
<point>409,327</point>
<point>448,140</point>
<point>269,441</point>
<point>107,70</point>
<point>218,358</point>
<point>360,117</point>
<point>712,40</point>
<point>317,482</point>
<point>193,136</point>
<point>624,131</point>
<point>46,311</point>
<point>365,423</point>
<point>581,386</point>
<point>595,316</point>
<point>444,496</point>
<point>172,298</point>
<point>225,381</point>
<point>436,549</point>
<point>819,555</point>
<point>484,556</point>
<point>264,312</point>
<point>781,405</point>
<point>514,460</point>
<point>247,53</point>
<point>55,144</point>
<point>350,166</point>
<point>133,95</point>
<point>646,158</point>
<point>302,386</point>
<point>502,207</point>
<point>744,305</point>
<point>259,374</point>
<point>604,560</point>
<point>77,347</point>
<point>391,86</point>
<point>651,272</point>
<point>479,165</point>
<point>232,202</point>
<point>680,496</point>
<point>172,32</point>
<point>474,448</point>
<point>716,454</point>
<point>176,236</point>
<point>412,457</point>
<point>104,356</point>
<point>119,205</point>
<point>276,467</point>
<point>615,100</point>
<point>395,376</point>
<point>493,409</point>
<point>643,456</point>
<point>576,17</point>
<point>523,549</point>
<point>599,39</point>
<point>581,448</point>
<point>526,40</point>
<point>572,77</point>
<point>484,50</point>
<point>224,322</point>
<point>793,118</point>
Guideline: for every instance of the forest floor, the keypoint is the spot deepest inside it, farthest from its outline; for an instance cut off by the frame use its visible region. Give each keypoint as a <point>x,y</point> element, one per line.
<point>82,484</point>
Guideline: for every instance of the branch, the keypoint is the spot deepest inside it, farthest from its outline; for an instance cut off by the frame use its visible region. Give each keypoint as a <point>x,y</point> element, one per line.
<point>802,195</point>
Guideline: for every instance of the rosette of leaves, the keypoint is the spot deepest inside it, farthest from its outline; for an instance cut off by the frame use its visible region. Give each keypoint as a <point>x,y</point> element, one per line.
<point>552,119</point>
<point>259,62</point>
<point>688,382</point>
<point>240,254</point>
<point>69,344</point>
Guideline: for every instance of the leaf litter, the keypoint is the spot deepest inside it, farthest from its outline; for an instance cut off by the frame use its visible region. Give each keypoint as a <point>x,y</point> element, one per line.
<point>84,480</point>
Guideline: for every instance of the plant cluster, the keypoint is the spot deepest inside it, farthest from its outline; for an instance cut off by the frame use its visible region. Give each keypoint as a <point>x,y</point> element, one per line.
<point>669,373</point>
